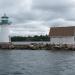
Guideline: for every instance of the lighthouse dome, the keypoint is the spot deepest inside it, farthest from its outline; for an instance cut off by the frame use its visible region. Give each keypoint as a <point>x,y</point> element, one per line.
<point>4,16</point>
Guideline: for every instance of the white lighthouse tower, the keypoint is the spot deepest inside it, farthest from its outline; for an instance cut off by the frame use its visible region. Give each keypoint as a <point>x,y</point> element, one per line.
<point>4,29</point>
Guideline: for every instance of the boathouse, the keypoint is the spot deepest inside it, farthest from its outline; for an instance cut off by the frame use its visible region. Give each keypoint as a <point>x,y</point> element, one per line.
<point>62,35</point>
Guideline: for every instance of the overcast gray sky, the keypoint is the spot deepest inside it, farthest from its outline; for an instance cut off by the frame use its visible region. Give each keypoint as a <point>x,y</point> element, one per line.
<point>31,17</point>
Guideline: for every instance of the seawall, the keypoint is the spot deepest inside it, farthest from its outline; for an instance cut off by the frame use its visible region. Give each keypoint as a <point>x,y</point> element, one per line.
<point>34,46</point>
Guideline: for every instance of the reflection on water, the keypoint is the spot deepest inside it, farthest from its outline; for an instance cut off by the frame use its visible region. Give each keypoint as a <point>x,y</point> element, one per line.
<point>39,62</point>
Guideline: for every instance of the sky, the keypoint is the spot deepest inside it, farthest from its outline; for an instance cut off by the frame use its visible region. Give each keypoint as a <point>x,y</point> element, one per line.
<point>35,17</point>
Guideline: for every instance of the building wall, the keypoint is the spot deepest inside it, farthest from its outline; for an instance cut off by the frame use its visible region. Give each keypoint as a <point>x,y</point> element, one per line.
<point>62,40</point>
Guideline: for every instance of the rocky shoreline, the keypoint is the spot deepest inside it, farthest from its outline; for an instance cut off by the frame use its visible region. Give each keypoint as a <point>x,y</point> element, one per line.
<point>35,46</point>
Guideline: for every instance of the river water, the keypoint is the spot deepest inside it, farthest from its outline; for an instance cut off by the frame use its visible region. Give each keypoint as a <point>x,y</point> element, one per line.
<point>37,62</point>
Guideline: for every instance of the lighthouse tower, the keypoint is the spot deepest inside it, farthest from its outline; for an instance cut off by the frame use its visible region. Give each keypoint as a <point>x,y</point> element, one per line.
<point>4,29</point>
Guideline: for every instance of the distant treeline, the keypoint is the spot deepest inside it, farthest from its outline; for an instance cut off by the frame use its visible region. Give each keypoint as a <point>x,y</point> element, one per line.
<point>31,38</point>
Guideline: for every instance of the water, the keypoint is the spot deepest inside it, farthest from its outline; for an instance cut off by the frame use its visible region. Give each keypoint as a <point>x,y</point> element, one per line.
<point>38,62</point>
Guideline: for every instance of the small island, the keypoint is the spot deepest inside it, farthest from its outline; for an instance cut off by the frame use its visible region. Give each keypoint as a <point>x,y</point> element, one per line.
<point>59,38</point>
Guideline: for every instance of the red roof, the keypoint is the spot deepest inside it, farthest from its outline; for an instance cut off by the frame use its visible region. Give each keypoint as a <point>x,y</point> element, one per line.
<point>62,31</point>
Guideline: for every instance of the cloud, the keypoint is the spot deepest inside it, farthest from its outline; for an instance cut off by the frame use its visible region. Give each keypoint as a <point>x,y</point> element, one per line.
<point>60,22</point>
<point>59,8</point>
<point>33,17</point>
<point>32,28</point>
<point>53,4</point>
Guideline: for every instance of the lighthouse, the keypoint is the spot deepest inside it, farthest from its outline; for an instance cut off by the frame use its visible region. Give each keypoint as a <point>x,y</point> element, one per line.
<point>4,29</point>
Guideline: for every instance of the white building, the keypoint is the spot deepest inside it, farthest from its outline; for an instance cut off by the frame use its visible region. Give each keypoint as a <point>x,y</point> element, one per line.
<point>62,35</point>
<point>4,29</point>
